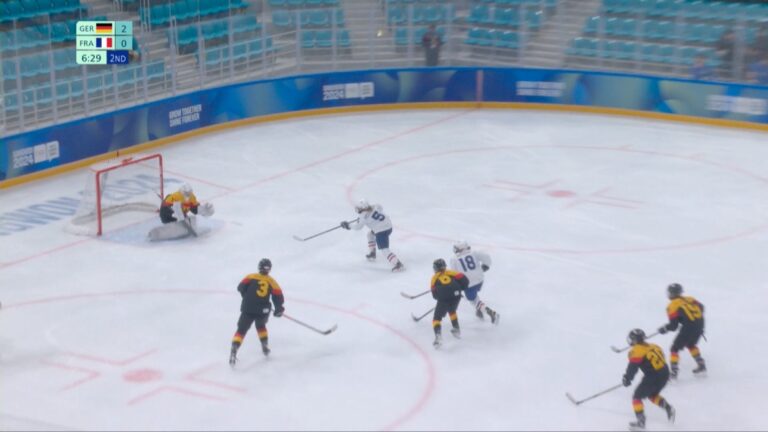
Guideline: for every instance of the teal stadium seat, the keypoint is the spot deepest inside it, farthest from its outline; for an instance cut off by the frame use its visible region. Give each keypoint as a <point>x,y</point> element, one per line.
<point>592,25</point>
<point>342,38</point>
<point>629,28</point>
<point>479,14</point>
<point>667,54</point>
<point>401,36</point>
<point>507,39</point>
<point>533,19</point>
<point>296,3</point>
<point>396,15</point>
<point>282,18</point>
<point>331,2</point>
<point>308,39</point>
<point>503,17</point>
<point>612,26</point>
<point>324,39</point>
<point>319,18</point>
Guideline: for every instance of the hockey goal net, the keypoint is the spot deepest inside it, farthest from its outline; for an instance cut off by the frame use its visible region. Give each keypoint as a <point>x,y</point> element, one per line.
<point>117,189</point>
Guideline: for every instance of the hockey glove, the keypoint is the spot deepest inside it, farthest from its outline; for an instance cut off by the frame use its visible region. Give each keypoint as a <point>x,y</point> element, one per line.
<point>626,381</point>
<point>485,267</point>
<point>663,329</point>
<point>345,225</point>
<point>278,312</point>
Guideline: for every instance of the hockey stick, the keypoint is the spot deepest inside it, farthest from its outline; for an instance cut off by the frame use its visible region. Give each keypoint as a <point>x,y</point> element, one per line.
<point>321,233</point>
<point>419,318</point>
<point>322,332</point>
<point>618,350</point>
<point>188,225</point>
<point>579,402</point>
<point>408,296</point>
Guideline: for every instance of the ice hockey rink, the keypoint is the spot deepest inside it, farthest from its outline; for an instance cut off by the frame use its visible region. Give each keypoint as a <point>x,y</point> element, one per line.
<point>587,219</point>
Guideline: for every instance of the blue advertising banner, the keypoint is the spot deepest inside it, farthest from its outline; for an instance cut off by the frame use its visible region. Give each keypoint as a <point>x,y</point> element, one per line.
<point>61,144</point>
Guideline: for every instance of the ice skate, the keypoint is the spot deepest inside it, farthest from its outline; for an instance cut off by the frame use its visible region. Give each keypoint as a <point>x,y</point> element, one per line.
<point>265,349</point>
<point>701,370</point>
<point>479,314</point>
<point>673,372</point>
<point>494,316</point>
<point>456,332</point>
<point>639,424</point>
<point>438,341</point>
<point>398,267</point>
<point>371,255</point>
<point>233,357</point>
<point>670,413</point>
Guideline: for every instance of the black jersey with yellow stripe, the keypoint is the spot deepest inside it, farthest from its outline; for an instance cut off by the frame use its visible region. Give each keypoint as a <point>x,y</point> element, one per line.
<point>685,311</point>
<point>448,285</point>
<point>256,290</point>
<point>187,204</point>
<point>648,358</point>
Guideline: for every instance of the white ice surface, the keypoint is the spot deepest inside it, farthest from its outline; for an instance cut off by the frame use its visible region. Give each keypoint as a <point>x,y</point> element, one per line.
<point>587,218</point>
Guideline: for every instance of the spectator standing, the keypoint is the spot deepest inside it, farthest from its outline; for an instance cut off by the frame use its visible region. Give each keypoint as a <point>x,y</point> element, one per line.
<point>431,41</point>
<point>725,49</point>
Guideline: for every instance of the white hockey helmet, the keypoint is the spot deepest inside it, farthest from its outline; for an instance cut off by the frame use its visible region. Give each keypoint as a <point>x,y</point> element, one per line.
<point>185,189</point>
<point>460,246</point>
<point>362,206</point>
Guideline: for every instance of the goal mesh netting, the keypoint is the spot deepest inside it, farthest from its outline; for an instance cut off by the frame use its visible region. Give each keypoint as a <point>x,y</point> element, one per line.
<point>116,190</point>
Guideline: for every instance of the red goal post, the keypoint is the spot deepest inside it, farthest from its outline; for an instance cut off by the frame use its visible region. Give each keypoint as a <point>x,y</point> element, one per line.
<point>124,185</point>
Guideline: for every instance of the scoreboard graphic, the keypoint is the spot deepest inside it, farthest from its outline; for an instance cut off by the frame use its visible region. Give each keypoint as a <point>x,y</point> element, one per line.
<point>104,42</point>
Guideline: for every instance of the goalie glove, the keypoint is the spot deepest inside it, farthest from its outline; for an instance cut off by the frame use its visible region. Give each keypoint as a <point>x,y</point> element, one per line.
<point>345,225</point>
<point>206,209</point>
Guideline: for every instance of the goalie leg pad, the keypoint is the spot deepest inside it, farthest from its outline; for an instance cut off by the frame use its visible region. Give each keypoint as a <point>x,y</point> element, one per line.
<point>170,231</point>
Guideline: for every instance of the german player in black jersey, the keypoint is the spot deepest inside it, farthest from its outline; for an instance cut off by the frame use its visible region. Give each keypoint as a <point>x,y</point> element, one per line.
<point>446,286</point>
<point>648,358</point>
<point>687,313</point>
<point>256,290</point>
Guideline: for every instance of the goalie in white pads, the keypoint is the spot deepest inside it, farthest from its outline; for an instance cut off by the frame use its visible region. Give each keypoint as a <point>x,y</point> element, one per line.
<point>473,265</point>
<point>178,214</point>
<point>380,227</point>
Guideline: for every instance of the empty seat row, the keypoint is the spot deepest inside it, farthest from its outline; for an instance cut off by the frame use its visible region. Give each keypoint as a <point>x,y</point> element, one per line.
<point>188,35</point>
<point>654,29</point>
<point>70,89</point>
<point>251,49</point>
<point>11,10</point>
<point>420,14</point>
<point>492,38</point>
<point>324,39</point>
<point>308,18</point>
<point>531,3</point>
<point>698,9</point>
<point>511,17</point>
<point>401,35</point>
<point>184,10</point>
<point>40,35</point>
<point>302,3</point>
<point>650,52</point>
<point>409,2</point>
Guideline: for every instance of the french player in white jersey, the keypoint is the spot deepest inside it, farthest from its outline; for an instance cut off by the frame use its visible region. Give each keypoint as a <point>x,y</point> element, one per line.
<point>380,226</point>
<point>473,265</point>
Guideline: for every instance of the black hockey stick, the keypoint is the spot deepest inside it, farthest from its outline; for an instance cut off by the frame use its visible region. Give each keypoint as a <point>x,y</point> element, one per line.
<point>321,233</point>
<point>322,332</point>
<point>579,402</point>
<point>408,296</point>
<point>188,225</point>
<point>618,350</point>
<point>420,317</point>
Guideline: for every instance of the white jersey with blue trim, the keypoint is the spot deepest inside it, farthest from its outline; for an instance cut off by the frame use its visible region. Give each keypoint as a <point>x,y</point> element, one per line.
<point>375,219</point>
<point>471,264</point>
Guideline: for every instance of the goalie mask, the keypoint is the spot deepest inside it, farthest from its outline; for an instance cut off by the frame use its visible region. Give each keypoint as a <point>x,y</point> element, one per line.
<point>265,265</point>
